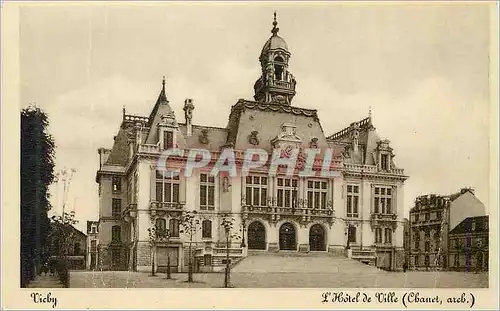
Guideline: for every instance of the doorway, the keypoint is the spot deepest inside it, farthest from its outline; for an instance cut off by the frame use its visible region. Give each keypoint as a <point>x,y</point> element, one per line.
<point>317,238</point>
<point>287,237</point>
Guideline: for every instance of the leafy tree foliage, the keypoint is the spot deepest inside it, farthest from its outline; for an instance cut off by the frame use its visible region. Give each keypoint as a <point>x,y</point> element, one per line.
<point>37,173</point>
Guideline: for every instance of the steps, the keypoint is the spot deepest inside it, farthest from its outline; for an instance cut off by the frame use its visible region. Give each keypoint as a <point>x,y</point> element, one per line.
<point>46,281</point>
<point>295,262</point>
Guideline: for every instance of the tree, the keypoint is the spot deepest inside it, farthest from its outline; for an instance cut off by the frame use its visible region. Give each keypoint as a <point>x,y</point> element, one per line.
<point>158,235</point>
<point>190,223</point>
<point>228,222</point>
<point>37,173</point>
<point>62,234</point>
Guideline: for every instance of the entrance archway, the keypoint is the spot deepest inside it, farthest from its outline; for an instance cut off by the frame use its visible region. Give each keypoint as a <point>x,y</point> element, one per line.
<point>256,236</point>
<point>287,237</point>
<point>317,238</point>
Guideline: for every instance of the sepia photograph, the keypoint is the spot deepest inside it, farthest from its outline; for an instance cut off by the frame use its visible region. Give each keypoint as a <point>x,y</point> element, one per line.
<point>245,145</point>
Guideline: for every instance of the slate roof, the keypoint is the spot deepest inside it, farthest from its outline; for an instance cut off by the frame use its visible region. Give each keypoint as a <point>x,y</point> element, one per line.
<point>481,225</point>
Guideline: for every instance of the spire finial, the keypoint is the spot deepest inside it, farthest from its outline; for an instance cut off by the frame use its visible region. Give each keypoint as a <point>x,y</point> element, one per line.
<point>163,94</point>
<point>370,112</point>
<point>275,23</point>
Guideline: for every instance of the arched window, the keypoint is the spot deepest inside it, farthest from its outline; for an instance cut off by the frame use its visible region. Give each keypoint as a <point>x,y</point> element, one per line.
<point>116,232</point>
<point>173,226</point>
<point>161,225</point>
<point>206,227</point>
<point>278,72</point>
<point>279,59</point>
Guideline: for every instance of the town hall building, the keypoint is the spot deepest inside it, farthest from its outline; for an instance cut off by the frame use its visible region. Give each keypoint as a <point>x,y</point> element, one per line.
<point>357,212</point>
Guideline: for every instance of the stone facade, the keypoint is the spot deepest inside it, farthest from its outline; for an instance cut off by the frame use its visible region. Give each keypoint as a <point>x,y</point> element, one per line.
<point>469,245</point>
<point>359,207</point>
<point>92,245</point>
<point>431,220</point>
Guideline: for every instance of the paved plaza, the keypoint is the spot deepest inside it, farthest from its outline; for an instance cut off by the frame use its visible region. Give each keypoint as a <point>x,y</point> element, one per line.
<point>381,279</point>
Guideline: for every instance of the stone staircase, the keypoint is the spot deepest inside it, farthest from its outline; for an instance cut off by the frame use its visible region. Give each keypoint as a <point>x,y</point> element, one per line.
<point>296,262</point>
<point>46,281</point>
<point>366,256</point>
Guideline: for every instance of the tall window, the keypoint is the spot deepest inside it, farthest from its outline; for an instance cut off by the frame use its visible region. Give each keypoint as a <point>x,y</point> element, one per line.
<point>116,207</point>
<point>167,188</point>
<point>287,192</point>
<point>116,234</point>
<point>427,246</point>
<point>383,200</point>
<point>316,194</point>
<point>116,183</point>
<point>256,190</point>
<point>352,234</point>
<point>427,261</point>
<point>130,184</point>
<point>173,226</point>
<point>352,200</point>
<point>206,229</point>
<point>388,235</point>
<point>168,139</point>
<point>384,162</point>
<point>378,235</point>
<point>161,225</point>
<point>93,245</point>
<point>207,192</point>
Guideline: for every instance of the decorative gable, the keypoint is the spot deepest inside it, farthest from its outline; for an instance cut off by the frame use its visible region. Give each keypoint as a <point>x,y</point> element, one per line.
<point>287,136</point>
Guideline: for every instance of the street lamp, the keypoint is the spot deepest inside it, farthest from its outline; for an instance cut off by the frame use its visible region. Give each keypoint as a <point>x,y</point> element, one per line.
<point>243,223</point>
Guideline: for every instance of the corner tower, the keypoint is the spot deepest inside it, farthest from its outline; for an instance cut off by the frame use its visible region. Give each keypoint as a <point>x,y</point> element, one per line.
<point>276,84</point>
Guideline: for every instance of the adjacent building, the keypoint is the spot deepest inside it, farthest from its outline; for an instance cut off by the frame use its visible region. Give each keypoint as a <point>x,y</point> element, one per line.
<point>360,208</point>
<point>69,242</point>
<point>469,245</point>
<point>431,220</point>
<point>92,243</point>
<point>406,240</point>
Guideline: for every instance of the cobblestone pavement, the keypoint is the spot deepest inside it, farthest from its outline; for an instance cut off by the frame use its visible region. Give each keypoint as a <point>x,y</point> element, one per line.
<point>381,279</point>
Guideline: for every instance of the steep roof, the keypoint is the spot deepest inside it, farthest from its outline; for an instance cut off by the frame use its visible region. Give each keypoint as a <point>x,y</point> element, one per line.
<point>480,225</point>
<point>267,119</point>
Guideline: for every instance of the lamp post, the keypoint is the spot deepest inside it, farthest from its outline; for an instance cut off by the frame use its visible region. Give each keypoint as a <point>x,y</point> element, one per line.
<point>243,223</point>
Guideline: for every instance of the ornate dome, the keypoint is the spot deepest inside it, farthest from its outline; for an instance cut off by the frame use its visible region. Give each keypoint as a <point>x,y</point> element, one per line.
<point>275,42</point>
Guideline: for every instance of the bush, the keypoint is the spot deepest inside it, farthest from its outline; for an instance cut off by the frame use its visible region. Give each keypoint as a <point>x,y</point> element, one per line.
<point>62,270</point>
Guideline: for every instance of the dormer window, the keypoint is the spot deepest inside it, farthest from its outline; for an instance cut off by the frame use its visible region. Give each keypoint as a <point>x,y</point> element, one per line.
<point>168,139</point>
<point>384,162</point>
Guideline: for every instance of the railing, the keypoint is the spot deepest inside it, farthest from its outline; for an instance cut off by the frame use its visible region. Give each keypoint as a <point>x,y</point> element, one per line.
<point>167,205</point>
<point>288,210</point>
<point>149,148</point>
<point>281,83</point>
<point>382,216</point>
<point>132,118</point>
<point>361,167</point>
<point>224,251</point>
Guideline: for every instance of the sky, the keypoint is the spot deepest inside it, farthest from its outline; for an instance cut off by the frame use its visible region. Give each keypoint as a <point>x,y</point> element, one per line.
<point>422,68</point>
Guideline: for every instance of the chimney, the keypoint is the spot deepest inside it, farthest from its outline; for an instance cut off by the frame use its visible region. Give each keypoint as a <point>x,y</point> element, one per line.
<point>188,114</point>
<point>103,155</point>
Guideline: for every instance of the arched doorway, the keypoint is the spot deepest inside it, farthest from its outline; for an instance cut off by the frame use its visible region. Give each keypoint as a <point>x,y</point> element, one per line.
<point>287,237</point>
<point>317,238</point>
<point>256,236</point>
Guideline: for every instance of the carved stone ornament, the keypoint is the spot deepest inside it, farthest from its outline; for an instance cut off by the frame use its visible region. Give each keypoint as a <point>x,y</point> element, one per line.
<point>253,138</point>
<point>313,143</point>
<point>225,184</point>
<point>280,99</point>
<point>345,152</point>
<point>203,138</point>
